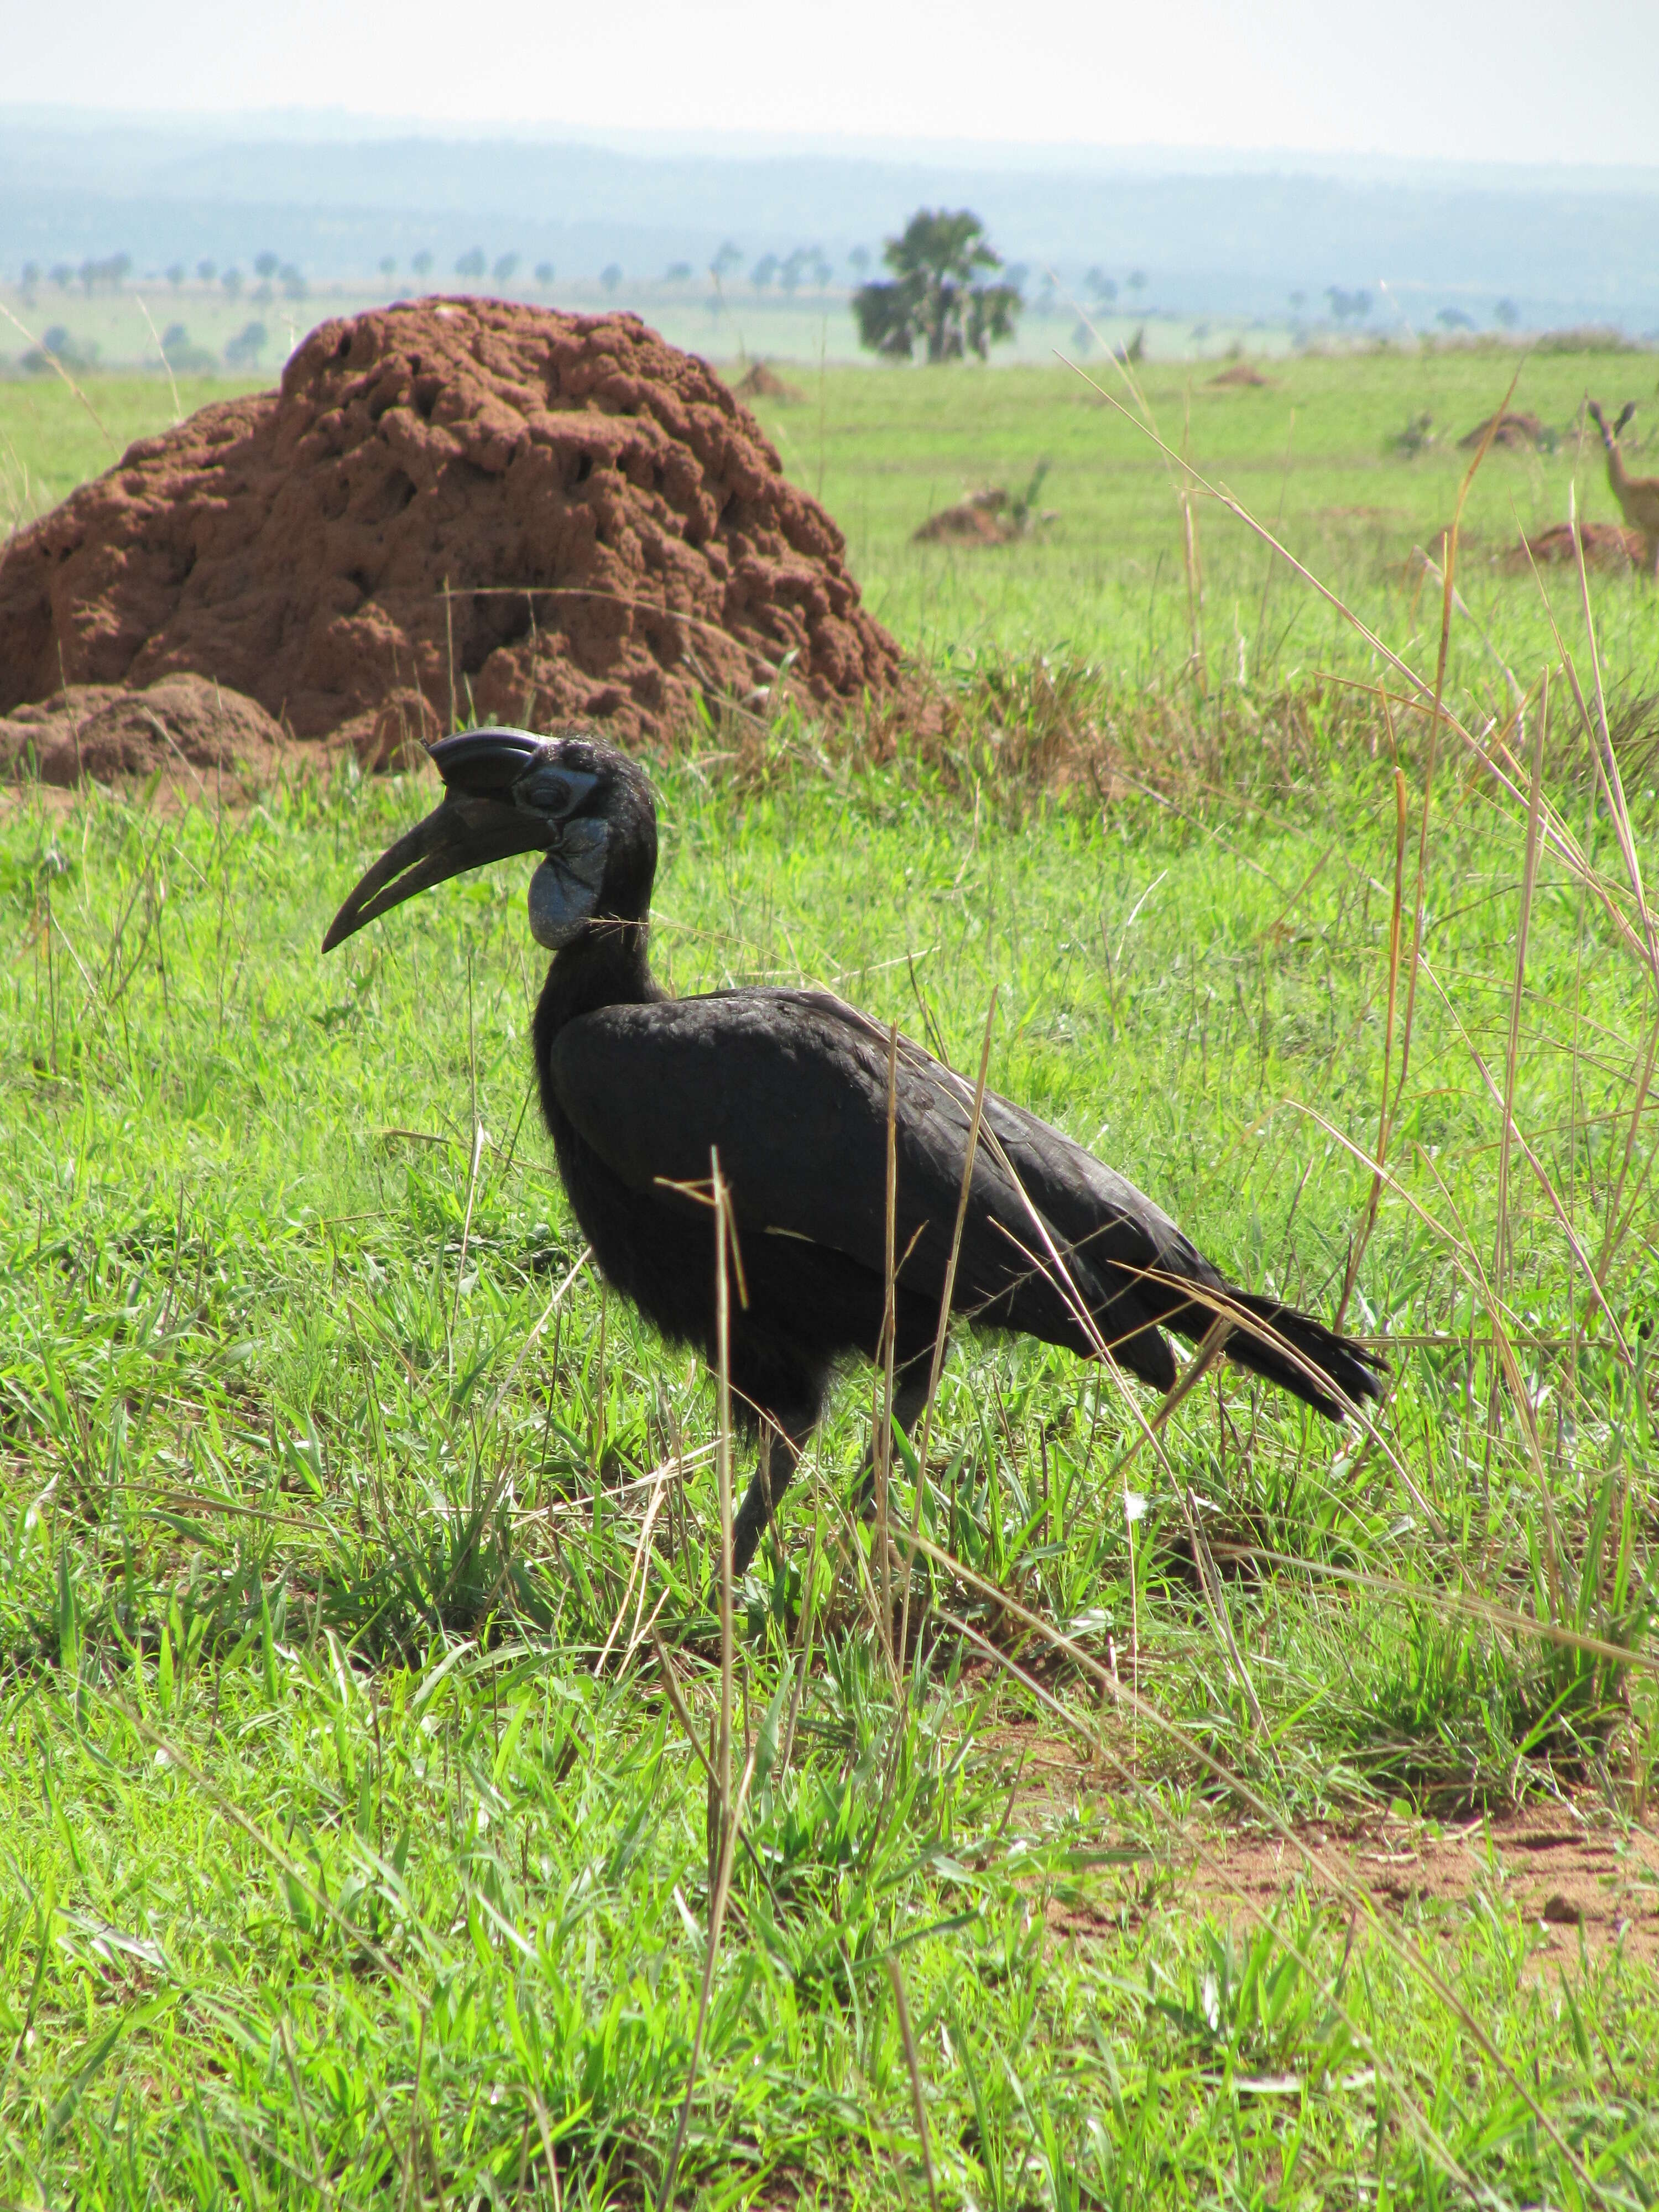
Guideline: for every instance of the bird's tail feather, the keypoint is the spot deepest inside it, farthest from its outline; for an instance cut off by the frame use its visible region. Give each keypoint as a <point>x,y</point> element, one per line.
<point>1288,1348</point>
<point>1297,1353</point>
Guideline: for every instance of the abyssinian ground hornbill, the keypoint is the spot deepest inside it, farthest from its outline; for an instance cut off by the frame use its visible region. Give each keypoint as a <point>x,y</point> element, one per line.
<point>791,1087</point>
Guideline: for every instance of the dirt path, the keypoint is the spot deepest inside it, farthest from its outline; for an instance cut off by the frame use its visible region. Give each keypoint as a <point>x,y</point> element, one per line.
<point>1581,1879</point>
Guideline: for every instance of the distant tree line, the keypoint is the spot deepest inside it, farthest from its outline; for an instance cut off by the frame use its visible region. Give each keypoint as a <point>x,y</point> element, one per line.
<point>1345,306</point>
<point>789,272</point>
<point>59,348</point>
<point>106,276</point>
<point>946,293</point>
<point>110,274</point>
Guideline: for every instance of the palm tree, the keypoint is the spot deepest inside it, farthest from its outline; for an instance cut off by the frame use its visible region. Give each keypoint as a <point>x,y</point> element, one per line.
<point>937,298</point>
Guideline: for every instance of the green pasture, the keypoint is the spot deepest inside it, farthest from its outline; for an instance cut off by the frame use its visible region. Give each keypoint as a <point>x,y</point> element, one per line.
<point>354,1850</point>
<point>54,436</point>
<point>1109,580</point>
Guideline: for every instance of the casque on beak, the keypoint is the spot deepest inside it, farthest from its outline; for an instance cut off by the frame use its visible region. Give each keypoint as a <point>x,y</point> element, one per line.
<point>476,822</point>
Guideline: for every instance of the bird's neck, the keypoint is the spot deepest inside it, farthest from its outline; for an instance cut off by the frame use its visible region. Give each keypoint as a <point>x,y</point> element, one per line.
<point>608,965</point>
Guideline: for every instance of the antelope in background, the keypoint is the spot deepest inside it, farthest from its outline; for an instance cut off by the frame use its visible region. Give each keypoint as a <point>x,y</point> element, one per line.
<point>1638,497</point>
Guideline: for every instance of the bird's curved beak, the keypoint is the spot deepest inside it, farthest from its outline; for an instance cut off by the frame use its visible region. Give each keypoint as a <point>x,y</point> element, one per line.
<point>476,823</point>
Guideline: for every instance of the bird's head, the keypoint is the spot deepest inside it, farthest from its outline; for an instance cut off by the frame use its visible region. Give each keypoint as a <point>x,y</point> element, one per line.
<point>586,807</point>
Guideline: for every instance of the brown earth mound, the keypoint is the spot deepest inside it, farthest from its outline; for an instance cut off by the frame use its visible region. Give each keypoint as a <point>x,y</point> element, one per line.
<point>1519,433</point>
<point>980,520</point>
<point>1242,373</point>
<point>765,383</point>
<point>181,728</point>
<point>1607,545</point>
<point>988,517</point>
<point>457,504</point>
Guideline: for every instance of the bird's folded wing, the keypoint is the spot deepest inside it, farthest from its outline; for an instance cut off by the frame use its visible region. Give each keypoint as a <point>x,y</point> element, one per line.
<point>791,1089</point>
<point>1094,1210</point>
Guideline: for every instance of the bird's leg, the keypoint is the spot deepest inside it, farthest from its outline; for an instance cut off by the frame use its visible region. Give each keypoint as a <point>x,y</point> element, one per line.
<point>780,1445</point>
<point>909,1397</point>
<point>773,1470</point>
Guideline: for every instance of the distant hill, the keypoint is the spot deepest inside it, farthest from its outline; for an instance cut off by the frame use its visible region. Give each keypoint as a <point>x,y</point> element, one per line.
<point>1566,245</point>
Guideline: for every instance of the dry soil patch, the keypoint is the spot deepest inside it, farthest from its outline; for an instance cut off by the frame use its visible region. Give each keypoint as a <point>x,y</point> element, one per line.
<point>1577,1879</point>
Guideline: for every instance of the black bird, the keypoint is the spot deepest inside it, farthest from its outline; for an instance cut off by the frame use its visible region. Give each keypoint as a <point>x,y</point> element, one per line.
<point>791,1087</point>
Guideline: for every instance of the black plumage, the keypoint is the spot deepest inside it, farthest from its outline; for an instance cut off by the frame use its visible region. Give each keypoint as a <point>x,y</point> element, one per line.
<point>791,1087</point>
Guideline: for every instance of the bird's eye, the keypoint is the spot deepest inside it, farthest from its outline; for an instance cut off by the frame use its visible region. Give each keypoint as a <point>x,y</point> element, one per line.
<point>547,792</point>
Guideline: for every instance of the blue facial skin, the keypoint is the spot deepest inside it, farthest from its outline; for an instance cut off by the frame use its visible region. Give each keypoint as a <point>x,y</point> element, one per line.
<point>554,792</point>
<point>565,889</point>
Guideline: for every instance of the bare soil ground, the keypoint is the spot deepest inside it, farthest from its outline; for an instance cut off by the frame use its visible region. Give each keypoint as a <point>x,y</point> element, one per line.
<point>1569,1869</point>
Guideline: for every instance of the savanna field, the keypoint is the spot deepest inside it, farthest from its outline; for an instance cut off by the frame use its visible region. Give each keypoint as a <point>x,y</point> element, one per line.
<point>1257,1812</point>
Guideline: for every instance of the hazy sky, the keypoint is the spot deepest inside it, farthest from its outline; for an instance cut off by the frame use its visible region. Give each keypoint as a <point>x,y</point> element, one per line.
<point>1485,80</point>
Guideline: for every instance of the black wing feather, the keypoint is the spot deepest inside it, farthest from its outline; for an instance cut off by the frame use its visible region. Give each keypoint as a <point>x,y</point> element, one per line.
<point>790,1087</point>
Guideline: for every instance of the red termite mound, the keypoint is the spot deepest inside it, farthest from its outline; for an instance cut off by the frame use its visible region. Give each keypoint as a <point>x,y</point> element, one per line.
<point>460,506</point>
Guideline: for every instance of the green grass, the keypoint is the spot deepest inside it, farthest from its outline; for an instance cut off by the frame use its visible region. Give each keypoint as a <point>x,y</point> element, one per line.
<point>1106,580</point>
<point>337,1870</point>
<point>1105,585</point>
<point>51,440</point>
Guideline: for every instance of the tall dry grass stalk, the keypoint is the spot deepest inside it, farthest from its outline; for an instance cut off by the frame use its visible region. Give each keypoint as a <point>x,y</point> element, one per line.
<point>912,2067</point>
<point>1501,1259</point>
<point>173,382</point>
<point>941,1334</point>
<point>724,1811</point>
<point>1363,1237</point>
<point>64,376</point>
<point>1199,662</point>
<point>881,1438</point>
